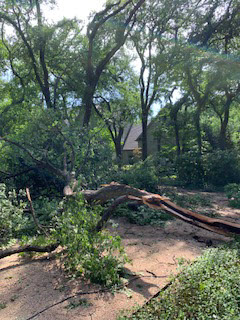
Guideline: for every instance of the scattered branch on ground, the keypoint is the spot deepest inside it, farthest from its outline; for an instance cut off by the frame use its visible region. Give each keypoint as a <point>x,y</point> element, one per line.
<point>28,248</point>
<point>81,293</point>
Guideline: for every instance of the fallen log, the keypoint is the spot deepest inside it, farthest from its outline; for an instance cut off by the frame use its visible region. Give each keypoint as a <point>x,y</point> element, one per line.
<point>155,201</point>
<point>112,191</point>
<point>123,193</point>
<point>220,226</point>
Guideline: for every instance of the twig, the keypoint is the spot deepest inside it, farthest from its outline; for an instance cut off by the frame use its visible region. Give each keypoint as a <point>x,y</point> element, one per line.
<point>34,215</point>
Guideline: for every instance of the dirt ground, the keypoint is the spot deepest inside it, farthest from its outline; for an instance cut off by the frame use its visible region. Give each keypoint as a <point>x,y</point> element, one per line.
<point>27,287</point>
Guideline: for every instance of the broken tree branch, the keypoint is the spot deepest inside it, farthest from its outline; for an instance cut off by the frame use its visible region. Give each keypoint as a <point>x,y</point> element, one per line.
<point>39,226</point>
<point>155,201</point>
<point>28,248</point>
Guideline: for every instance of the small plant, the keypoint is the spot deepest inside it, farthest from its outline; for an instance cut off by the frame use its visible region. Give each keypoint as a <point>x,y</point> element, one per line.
<point>97,256</point>
<point>3,305</point>
<point>232,191</point>
<point>79,303</point>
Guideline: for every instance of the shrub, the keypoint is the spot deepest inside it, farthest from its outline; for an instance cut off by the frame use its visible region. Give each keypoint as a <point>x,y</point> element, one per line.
<point>98,256</point>
<point>141,175</point>
<point>190,169</point>
<point>206,289</point>
<point>221,167</point>
<point>217,168</point>
<point>232,191</point>
<point>12,219</point>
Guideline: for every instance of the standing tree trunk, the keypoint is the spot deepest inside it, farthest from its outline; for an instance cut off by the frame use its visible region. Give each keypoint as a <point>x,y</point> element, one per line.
<point>144,137</point>
<point>224,123</point>
<point>94,70</point>
<point>198,129</point>
<point>174,116</point>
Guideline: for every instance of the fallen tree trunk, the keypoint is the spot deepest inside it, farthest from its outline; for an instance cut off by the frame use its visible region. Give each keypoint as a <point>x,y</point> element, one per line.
<point>215,225</point>
<point>123,193</point>
<point>112,191</point>
<point>155,201</point>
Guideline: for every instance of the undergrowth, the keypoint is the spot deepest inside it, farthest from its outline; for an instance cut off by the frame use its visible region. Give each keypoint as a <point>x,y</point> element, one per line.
<point>232,191</point>
<point>143,215</point>
<point>98,256</point>
<point>206,289</point>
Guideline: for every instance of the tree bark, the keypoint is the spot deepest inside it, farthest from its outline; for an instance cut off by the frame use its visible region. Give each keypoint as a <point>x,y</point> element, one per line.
<point>155,201</point>
<point>28,248</point>
<point>224,124</point>
<point>123,193</point>
<point>144,137</point>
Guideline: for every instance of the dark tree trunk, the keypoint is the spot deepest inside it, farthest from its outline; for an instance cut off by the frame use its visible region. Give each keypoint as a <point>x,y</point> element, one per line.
<point>118,148</point>
<point>88,102</point>
<point>198,129</point>
<point>224,123</point>
<point>177,139</point>
<point>144,137</point>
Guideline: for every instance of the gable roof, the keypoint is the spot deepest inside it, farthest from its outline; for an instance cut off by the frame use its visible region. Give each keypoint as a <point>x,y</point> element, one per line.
<point>149,125</point>
<point>131,137</point>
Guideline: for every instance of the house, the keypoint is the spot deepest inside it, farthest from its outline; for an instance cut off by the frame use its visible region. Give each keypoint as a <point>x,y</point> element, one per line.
<point>132,142</point>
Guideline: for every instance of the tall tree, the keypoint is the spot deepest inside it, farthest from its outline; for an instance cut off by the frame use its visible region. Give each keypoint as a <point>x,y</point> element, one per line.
<point>152,43</point>
<point>121,16</point>
<point>117,100</point>
<point>38,46</point>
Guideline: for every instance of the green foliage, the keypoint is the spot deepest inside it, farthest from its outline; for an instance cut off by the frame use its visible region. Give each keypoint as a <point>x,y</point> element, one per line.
<point>12,219</point>
<point>206,289</point>
<point>144,215</point>
<point>46,209</point>
<point>141,175</point>
<point>190,169</point>
<point>232,191</point>
<point>221,167</point>
<point>189,200</point>
<point>97,256</point>
<point>216,168</point>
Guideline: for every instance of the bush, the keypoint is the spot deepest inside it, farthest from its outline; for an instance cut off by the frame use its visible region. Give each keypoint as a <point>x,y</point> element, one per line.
<point>141,175</point>
<point>232,191</point>
<point>12,219</point>
<point>190,169</point>
<point>221,167</point>
<point>206,289</point>
<point>217,168</point>
<point>98,256</point>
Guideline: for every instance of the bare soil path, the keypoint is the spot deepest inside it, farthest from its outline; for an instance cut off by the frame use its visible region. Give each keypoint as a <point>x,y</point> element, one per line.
<point>29,286</point>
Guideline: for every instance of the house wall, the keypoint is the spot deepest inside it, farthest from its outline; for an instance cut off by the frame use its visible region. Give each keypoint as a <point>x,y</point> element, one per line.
<point>131,156</point>
<point>126,155</point>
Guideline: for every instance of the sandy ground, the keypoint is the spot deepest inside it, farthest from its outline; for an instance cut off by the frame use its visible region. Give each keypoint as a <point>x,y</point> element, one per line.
<point>29,286</point>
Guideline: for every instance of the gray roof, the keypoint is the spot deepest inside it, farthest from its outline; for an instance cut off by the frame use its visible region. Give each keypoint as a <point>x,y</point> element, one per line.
<point>131,138</point>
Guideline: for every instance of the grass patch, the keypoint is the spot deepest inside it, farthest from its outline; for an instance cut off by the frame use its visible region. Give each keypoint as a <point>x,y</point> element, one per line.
<point>206,289</point>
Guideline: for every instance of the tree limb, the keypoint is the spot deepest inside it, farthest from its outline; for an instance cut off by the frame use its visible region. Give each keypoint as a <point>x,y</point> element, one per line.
<point>28,248</point>
<point>155,201</point>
